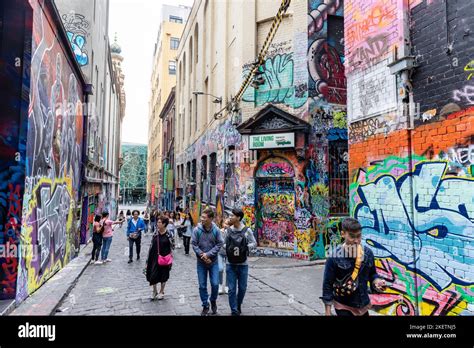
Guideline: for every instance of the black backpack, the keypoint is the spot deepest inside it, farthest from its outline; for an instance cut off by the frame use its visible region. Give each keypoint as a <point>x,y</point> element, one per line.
<point>236,246</point>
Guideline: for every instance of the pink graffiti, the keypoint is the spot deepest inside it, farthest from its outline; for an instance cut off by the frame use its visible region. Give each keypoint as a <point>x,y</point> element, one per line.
<point>277,169</point>
<point>442,302</point>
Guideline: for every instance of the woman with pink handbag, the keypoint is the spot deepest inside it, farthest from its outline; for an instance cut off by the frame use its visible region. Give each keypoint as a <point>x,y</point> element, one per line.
<point>160,258</point>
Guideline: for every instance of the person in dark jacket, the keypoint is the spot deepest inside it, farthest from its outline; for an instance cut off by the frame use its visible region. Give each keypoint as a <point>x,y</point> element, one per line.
<point>207,241</point>
<point>349,268</point>
<point>163,242</point>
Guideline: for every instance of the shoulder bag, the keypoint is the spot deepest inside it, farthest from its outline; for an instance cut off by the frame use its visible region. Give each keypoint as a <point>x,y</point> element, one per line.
<point>350,283</point>
<point>164,260</point>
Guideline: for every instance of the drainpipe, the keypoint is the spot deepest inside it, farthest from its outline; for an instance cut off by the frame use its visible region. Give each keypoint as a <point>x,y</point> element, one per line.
<point>85,128</point>
<point>402,65</point>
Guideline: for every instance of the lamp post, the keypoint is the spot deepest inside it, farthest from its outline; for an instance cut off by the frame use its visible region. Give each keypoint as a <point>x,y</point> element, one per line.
<point>217,100</point>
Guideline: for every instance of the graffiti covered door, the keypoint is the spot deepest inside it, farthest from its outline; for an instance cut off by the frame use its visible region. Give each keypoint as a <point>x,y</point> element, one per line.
<point>275,204</point>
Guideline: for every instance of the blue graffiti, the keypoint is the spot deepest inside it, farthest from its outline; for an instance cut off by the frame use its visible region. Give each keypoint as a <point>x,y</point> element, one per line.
<point>337,134</point>
<point>78,46</point>
<point>422,220</point>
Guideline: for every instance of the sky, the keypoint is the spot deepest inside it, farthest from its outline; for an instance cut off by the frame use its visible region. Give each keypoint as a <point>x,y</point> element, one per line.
<point>136,23</point>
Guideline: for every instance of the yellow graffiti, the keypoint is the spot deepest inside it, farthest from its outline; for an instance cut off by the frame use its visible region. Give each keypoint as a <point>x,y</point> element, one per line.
<point>303,239</point>
<point>469,67</point>
<point>35,280</point>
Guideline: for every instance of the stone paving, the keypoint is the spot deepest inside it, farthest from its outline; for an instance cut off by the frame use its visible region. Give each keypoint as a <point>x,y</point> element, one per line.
<point>119,288</point>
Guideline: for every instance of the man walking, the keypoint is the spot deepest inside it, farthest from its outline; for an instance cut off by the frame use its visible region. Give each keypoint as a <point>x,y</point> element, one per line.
<point>238,242</point>
<point>206,241</point>
<point>134,234</point>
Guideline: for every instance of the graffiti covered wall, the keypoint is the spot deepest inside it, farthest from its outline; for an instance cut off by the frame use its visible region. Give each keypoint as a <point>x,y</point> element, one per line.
<point>408,186</point>
<point>50,227</point>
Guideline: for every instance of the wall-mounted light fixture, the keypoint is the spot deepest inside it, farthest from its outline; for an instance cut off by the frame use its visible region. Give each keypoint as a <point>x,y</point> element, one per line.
<point>217,100</point>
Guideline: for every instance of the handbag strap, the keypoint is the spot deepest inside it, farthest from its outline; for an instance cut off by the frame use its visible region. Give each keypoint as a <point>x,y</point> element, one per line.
<point>358,262</point>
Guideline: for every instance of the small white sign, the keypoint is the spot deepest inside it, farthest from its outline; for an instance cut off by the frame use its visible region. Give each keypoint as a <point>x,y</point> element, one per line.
<point>271,141</point>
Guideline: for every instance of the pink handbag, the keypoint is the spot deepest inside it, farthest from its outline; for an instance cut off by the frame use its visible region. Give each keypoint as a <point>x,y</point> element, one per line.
<point>164,260</point>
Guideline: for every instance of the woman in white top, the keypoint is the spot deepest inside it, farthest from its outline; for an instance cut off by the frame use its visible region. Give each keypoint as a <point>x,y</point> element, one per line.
<point>188,223</point>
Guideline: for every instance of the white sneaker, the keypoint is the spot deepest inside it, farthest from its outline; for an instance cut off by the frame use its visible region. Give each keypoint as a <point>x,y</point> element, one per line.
<point>108,260</point>
<point>221,289</point>
<point>99,262</point>
<point>226,290</point>
<point>179,246</point>
<point>160,296</point>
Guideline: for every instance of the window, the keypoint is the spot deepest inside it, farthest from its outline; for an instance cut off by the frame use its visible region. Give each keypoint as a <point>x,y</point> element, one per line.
<point>229,177</point>
<point>204,181</point>
<point>174,43</point>
<point>190,115</point>
<point>193,179</point>
<point>175,19</point>
<point>196,33</point>
<point>212,176</point>
<point>172,67</point>
<point>190,55</point>
<point>338,178</point>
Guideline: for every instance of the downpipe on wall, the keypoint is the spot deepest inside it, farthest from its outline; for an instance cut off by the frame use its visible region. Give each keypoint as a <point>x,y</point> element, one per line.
<point>405,77</point>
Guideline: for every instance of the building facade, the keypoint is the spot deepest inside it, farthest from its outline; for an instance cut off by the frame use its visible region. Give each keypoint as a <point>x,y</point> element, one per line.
<point>133,174</point>
<point>173,19</point>
<point>167,194</point>
<point>86,24</point>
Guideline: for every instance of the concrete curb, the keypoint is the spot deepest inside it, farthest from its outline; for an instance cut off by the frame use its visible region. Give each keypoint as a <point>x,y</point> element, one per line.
<point>290,265</point>
<point>45,300</point>
<point>8,309</point>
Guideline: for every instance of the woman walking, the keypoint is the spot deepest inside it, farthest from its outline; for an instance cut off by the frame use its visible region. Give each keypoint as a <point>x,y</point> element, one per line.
<point>96,239</point>
<point>222,260</point>
<point>174,221</point>
<point>146,218</point>
<point>160,259</point>
<point>188,223</point>
<point>129,215</point>
<point>153,217</point>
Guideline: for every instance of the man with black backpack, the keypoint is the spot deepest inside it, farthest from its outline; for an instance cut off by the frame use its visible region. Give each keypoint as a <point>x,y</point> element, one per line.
<point>238,242</point>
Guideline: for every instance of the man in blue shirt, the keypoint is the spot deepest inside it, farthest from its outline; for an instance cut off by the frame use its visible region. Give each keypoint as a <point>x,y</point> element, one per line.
<point>135,227</point>
<point>206,241</point>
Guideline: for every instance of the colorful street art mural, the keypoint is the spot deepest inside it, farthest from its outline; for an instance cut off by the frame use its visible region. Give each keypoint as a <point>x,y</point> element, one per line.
<point>437,222</point>
<point>50,229</point>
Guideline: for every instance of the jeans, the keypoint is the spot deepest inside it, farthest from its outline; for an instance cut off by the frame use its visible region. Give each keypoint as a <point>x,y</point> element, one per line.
<point>202,271</point>
<point>138,244</point>
<point>97,240</point>
<point>186,242</point>
<point>222,261</point>
<point>106,247</point>
<point>237,273</point>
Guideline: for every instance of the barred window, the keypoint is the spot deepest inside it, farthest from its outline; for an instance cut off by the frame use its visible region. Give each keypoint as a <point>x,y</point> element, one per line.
<point>338,178</point>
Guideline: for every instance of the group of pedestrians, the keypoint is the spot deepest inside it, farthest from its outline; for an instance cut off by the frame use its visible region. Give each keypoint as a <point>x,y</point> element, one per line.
<point>349,267</point>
